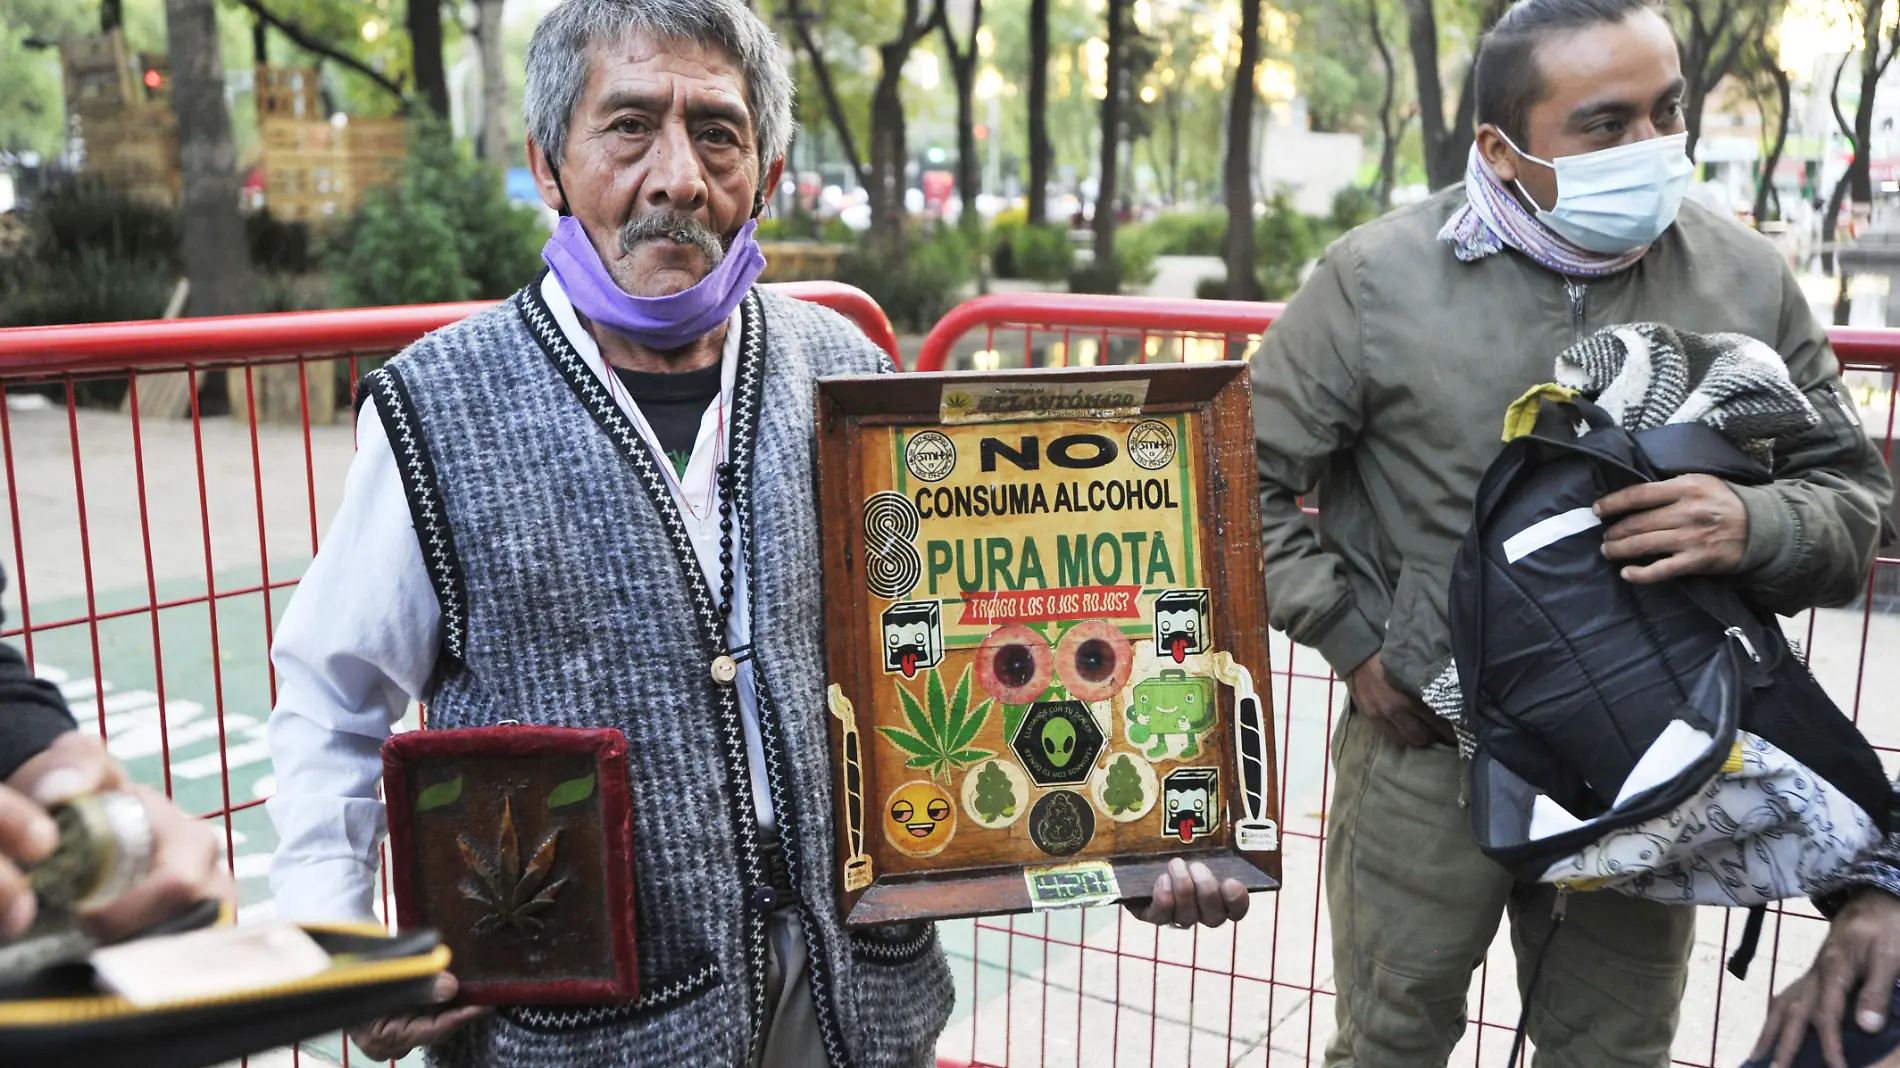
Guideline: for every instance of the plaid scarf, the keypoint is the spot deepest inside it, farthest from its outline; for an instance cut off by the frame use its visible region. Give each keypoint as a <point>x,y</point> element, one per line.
<point>1492,218</point>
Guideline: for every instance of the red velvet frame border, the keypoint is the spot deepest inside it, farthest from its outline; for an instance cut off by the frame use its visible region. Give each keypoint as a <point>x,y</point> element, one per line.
<point>609,749</point>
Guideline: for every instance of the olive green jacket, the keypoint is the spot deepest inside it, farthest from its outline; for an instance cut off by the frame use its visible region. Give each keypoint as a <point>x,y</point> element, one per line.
<point>1386,381</point>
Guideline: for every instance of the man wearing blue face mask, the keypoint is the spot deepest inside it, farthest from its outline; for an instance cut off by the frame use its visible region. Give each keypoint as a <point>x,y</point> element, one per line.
<point>1386,382</point>
<point>593,506</point>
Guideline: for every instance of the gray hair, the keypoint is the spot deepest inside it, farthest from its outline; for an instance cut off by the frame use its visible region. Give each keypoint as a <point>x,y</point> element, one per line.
<point>559,56</point>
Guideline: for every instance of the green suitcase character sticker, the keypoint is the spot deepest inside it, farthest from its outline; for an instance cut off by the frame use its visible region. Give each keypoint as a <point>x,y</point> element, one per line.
<point>1171,707</point>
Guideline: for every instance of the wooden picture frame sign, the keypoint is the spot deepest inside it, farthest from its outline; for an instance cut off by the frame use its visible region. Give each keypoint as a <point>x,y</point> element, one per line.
<point>515,843</point>
<point>1046,636</point>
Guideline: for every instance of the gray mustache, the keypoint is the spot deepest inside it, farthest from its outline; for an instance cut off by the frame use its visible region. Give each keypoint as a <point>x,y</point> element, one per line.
<point>673,226</point>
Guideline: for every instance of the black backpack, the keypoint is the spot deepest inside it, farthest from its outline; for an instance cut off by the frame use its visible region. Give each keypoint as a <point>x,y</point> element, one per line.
<point>1570,673</point>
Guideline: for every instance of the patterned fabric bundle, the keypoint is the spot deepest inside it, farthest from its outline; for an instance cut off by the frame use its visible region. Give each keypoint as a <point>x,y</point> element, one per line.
<point>1648,375</point>
<point>1492,218</point>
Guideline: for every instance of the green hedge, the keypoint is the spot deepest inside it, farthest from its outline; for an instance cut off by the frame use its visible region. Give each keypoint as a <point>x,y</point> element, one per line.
<point>91,255</point>
<point>1041,253</point>
<point>928,283</point>
<point>445,231</point>
<point>1133,269</point>
<point>1188,233</point>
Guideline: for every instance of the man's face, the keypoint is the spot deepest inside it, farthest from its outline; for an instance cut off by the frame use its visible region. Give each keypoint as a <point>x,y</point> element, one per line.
<point>1604,86</point>
<point>661,143</point>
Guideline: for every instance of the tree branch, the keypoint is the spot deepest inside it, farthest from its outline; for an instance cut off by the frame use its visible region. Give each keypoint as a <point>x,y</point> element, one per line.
<point>1893,48</point>
<point>1834,99</point>
<point>304,40</point>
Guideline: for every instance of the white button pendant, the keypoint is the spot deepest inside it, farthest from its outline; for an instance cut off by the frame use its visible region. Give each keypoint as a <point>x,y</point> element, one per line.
<point>724,670</point>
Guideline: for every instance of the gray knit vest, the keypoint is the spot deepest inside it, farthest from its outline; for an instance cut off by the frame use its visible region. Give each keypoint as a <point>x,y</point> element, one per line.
<point>570,596</point>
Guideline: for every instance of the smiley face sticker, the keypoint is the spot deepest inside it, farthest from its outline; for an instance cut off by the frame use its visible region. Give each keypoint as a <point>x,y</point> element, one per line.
<point>919,818</point>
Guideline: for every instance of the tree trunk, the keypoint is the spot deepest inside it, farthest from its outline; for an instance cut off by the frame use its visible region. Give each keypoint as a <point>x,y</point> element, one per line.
<point>827,91</point>
<point>488,34</point>
<point>1422,19</point>
<point>1446,143</point>
<point>1243,282</point>
<point>111,15</point>
<point>1174,148</point>
<point>1872,65</point>
<point>1038,111</point>
<point>425,48</point>
<point>260,42</point>
<point>887,153</point>
<point>1713,44</point>
<point>1694,90</point>
<point>1108,170</point>
<point>1388,143</point>
<point>1784,92</point>
<point>968,165</point>
<point>963,71</point>
<point>1830,218</point>
<point>217,262</point>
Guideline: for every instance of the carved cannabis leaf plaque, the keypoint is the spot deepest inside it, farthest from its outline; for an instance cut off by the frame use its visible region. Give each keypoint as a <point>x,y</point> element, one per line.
<point>515,844</point>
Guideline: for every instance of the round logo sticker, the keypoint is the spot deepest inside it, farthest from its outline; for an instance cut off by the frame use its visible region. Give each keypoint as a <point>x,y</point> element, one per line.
<point>1061,823</point>
<point>930,456</point>
<point>1151,444</point>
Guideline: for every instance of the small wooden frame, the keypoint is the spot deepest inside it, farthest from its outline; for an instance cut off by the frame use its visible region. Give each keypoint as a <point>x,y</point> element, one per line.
<point>1046,636</point>
<point>515,844</point>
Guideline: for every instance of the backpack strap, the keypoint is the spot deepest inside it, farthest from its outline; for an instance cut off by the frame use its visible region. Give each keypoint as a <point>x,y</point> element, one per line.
<point>1696,449</point>
<point>1751,938</point>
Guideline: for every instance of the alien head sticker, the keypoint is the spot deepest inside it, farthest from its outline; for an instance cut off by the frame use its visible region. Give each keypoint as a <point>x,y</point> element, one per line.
<point>1181,624</point>
<point>1058,742</point>
<point>919,818</point>
<point>1190,803</point>
<point>1061,823</point>
<point>913,637</point>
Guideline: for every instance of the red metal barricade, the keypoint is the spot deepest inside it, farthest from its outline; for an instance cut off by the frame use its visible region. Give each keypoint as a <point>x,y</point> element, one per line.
<point>1103,989</point>
<point>151,558</point>
<point>166,486</point>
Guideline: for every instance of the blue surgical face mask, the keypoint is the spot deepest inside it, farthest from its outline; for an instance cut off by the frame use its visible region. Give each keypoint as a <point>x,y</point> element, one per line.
<point>1616,199</point>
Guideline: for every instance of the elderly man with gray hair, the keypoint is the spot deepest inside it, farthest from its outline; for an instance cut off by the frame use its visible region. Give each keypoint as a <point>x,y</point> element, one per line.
<point>593,506</point>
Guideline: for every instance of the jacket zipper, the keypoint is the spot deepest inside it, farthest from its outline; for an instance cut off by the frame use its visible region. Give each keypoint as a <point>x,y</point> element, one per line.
<point>1850,414</point>
<point>1578,292</point>
<point>1747,646</point>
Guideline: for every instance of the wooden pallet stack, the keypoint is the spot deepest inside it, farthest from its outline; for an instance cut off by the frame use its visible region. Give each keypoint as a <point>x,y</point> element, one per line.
<point>119,115</point>
<point>316,171</point>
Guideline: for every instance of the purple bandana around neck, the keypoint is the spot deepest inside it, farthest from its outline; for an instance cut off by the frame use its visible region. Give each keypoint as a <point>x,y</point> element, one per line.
<point>663,323</point>
<point>1491,218</point>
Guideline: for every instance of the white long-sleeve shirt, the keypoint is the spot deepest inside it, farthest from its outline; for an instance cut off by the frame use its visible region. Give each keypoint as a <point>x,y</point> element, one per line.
<point>359,642</point>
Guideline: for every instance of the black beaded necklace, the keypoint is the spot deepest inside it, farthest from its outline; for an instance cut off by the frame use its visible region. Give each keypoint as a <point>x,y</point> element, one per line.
<point>725,666</point>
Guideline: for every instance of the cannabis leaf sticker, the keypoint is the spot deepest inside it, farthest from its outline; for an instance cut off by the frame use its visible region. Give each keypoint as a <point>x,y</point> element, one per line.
<point>503,886</point>
<point>957,403</point>
<point>939,742</point>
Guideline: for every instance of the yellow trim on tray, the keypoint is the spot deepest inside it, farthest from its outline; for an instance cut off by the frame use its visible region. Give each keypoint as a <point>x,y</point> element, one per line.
<point>62,1012</point>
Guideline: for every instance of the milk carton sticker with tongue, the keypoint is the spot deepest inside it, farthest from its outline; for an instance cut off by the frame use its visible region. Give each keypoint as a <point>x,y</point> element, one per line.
<point>913,637</point>
<point>1190,799</point>
<point>1181,624</point>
